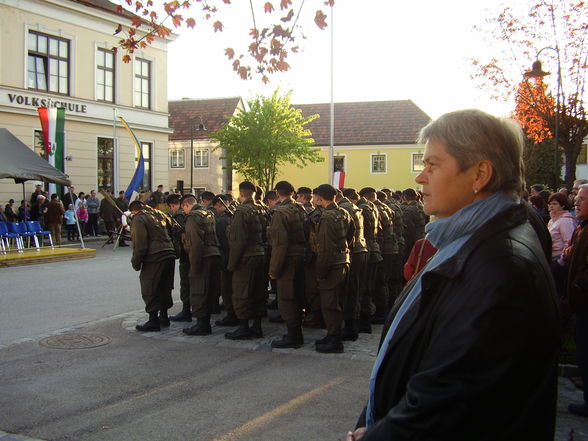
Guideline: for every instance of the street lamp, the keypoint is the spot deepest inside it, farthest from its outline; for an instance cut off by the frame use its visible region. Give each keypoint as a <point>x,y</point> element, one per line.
<point>537,72</point>
<point>201,128</point>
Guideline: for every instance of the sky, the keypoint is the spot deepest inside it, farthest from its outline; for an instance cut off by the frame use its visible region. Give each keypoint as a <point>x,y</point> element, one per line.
<point>383,50</point>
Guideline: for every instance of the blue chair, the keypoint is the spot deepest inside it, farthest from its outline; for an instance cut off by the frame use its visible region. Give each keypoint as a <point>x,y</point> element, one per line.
<point>6,236</point>
<point>35,227</point>
<point>20,229</point>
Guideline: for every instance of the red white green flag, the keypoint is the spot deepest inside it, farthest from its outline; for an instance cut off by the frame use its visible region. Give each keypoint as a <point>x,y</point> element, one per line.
<point>52,123</point>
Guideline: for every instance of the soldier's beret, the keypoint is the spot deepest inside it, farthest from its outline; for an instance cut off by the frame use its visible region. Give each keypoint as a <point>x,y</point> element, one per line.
<point>284,186</point>
<point>326,191</point>
<point>246,185</point>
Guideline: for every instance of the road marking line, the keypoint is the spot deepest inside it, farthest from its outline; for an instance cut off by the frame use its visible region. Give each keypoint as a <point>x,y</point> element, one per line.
<point>255,423</point>
<point>146,394</point>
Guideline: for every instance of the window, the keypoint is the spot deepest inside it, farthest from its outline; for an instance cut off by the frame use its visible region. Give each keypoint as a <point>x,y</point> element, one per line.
<point>142,83</point>
<point>105,75</point>
<point>582,159</point>
<point>48,63</point>
<point>176,158</point>
<point>40,144</point>
<point>417,163</point>
<point>378,163</point>
<point>201,158</point>
<point>105,156</point>
<point>146,148</point>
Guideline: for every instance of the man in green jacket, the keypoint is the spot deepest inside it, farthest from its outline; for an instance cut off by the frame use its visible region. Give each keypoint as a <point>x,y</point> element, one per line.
<point>288,245</point>
<point>154,255</point>
<point>335,230</point>
<point>201,245</point>
<point>246,262</point>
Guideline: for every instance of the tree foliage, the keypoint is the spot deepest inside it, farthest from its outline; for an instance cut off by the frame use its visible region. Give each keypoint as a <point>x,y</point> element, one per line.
<point>557,31</point>
<point>270,44</point>
<point>271,133</point>
<point>539,159</point>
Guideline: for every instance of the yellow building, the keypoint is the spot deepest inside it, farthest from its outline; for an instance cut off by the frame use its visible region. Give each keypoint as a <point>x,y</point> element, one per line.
<point>374,144</point>
<point>59,53</point>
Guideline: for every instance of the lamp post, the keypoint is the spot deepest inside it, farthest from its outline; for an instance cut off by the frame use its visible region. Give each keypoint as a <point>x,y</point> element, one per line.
<point>537,72</point>
<point>201,128</point>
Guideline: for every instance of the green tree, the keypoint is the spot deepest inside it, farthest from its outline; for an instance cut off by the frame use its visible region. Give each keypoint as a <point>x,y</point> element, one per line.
<point>539,162</point>
<point>271,133</point>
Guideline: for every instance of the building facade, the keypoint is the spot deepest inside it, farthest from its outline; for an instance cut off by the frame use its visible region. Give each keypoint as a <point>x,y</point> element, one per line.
<point>60,53</point>
<point>374,144</point>
<point>192,122</point>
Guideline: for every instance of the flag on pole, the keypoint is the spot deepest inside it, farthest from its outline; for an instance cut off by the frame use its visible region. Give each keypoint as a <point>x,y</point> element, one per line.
<point>140,170</point>
<point>53,123</point>
<point>339,179</point>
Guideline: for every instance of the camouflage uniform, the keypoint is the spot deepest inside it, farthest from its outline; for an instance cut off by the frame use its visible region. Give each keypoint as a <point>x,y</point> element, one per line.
<point>288,245</point>
<point>154,255</point>
<point>312,299</point>
<point>390,254</point>
<point>371,222</point>
<point>396,281</point>
<point>358,266</point>
<point>180,217</point>
<point>246,260</point>
<point>202,247</point>
<point>334,231</point>
<point>223,222</point>
<point>414,225</point>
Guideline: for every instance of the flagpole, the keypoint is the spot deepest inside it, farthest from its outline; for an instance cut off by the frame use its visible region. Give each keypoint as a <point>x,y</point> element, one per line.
<point>332,110</point>
<point>114,152</point>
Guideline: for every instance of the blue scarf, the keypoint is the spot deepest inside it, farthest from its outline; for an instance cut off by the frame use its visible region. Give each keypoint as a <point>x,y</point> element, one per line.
<point>448,235</point>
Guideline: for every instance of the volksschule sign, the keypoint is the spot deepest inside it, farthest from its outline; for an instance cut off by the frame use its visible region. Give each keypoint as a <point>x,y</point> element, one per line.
<point>26,100</point>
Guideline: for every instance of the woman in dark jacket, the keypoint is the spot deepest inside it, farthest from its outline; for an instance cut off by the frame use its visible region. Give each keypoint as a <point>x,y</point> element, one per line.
<point>469,352</point>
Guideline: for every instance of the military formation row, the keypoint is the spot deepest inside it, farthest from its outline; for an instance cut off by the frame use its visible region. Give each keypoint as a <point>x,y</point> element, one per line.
<point>334,257</point>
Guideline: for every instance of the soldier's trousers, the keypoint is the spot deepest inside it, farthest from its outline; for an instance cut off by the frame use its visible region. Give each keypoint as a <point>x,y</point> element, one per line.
<point>368,286</point>
<point>332,290</point>
<point>203,287</point>
<point>185,282</point>
<point>353,285</point>
<point>227,290</point>
<point>157,282</point>
<point>381,297</point>
<point>396,281</point>
<point>312,297</point>
<point>249,291</point>
<point>290,289</point>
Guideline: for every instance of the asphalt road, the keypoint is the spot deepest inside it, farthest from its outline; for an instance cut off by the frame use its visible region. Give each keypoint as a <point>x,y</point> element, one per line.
<point>167,386</point>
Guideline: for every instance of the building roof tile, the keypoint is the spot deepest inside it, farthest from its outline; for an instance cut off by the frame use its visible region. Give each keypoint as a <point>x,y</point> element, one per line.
<point>184,113</point>
<point>367,123</point>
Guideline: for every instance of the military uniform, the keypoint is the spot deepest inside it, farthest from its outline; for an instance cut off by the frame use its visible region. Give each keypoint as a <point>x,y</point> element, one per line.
<point>288,245</point>
<point>334,231</point>
<point>201,245</point>
<point>390,255</point>
<point>312,299</point>
<point>357,270</point>
<point>154,255</point>
<point>223,222</point>
<point>180,217</point>
<point>414,225</point>
<point>246,260</point>
<point>396,281</point>
<point>371,225</point>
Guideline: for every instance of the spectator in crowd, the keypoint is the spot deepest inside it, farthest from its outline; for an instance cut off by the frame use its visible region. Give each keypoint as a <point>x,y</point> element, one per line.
<point>93,204</point>
<point>539,205</point>
<point>24,211</point>
<point>109,216</point>
<point>82,213</point>
<point>81,198</point>
<point>421,253</point>
<point>70,223</point>
<point>3,217</point>
<point>561,228</point>
<point>38,191</point>
<point>9,212</point>
<point>69,197</point>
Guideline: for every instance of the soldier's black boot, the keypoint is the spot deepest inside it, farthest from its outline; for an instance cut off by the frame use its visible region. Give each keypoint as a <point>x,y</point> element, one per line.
<point>350,331</point>
<point>255,329</point>
<point>184,316</point>
<point>332,344</point>
<point>229,320</point>
<point>151,325</point>
<point>293,339</point>
<point>163,318</point>
<point>241,333</point>
<point>364,324</point>
<point>202,327</point>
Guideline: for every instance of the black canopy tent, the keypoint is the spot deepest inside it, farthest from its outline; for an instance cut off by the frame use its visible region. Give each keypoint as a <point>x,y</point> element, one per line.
<point>22,164</point>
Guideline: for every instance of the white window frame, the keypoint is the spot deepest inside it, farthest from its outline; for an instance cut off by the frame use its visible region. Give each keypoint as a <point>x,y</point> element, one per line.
<point>412,162</point>
<point>378,172</point>
<point>115,70</point>
<point>151,85</point>
<point>201,167</point>
<point>177,150</point>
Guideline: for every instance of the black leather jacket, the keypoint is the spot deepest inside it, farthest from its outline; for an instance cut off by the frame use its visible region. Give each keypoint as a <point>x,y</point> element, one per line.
<point>475,357</point>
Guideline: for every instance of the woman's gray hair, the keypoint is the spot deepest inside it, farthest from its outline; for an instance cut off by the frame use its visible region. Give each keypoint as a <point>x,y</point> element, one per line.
<point>472,136</point>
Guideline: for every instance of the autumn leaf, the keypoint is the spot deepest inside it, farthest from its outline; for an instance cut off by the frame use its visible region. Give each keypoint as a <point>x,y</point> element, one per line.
<point>118,29</point>
<point>190,22</point>
<point>138,6</point>
<point>218,26</point>
<point>288,17</point>
<point>243,72</point>
<point>265,79</point>
<point>268,8</point>
<point>284,4</point>
<point>254,33</point>
<point>126,58</point>
<point>230,53</point>
<point>136,21</point>
<point>177,20</point>
<point>319,19</point>
<point>119,9</point>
